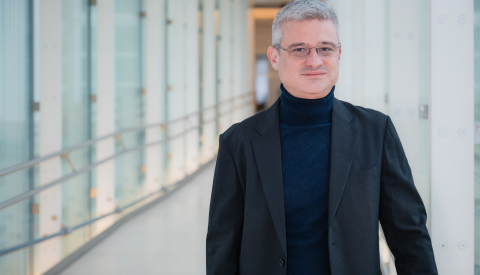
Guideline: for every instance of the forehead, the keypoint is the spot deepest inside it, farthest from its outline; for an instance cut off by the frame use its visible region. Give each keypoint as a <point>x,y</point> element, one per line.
<point>311,32</point>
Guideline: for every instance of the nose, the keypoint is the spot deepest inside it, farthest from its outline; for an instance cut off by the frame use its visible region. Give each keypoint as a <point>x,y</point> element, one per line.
<point>313,59</point>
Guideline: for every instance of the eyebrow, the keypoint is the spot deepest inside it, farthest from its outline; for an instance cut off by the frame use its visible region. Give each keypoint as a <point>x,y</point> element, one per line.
<point>329,43</point>
<point>296,44</point>
<point>303,44</point>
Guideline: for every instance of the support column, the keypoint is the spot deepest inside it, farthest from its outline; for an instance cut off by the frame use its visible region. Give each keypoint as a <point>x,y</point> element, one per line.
<point>358,52</point>
<point>374,52</point>
<point>452,149</point>
<point>404,82</point>
<point>237,77</point>
<point>192,84</point>
<point>176,88</point>
<point>105,111</point>
<point>50,215</point>
<point>209,80</point>
<point>225,65</point>
<point>344,89</point>
<point>155,92</point>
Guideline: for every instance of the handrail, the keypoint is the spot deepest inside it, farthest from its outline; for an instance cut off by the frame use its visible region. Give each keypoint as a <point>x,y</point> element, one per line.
<point>84,144</point>
<point>68,230</point>
<point>87,168</point>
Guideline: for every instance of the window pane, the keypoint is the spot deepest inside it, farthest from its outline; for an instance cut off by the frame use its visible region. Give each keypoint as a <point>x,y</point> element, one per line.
<point>15,136</point>
<point>76,124</point>
<point>128,103</point>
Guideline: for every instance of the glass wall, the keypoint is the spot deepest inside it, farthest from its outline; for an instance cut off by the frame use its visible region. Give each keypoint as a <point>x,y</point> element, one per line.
<point>122,65</point>
<point>129,104</point>
<point>76,119</point>
<point>15,129</point>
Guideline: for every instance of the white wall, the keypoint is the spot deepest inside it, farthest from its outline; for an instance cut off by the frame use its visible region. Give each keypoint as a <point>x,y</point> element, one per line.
<point>452,117</point>
<point>404,50</point>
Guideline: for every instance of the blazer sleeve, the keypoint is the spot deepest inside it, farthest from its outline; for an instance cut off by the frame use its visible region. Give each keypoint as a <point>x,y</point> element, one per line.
<point>402,213</point>
<point>226,216</point>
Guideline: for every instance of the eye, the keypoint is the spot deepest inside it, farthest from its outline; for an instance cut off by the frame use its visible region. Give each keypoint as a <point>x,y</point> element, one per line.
<point>300,50</point>
<point>326,49</point>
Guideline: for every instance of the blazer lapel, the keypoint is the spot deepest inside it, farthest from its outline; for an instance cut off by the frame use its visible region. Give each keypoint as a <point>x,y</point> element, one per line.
<point>342,150</point>
<point>268,155</point>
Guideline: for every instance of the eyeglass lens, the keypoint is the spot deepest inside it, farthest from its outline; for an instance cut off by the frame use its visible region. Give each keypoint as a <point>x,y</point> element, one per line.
<point>304,52</point>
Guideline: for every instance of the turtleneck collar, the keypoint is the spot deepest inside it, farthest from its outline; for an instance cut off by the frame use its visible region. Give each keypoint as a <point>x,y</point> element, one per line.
<point>303,112</point>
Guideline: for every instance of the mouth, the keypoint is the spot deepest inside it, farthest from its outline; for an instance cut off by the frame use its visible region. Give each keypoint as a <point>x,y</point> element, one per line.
<point>314,74</point>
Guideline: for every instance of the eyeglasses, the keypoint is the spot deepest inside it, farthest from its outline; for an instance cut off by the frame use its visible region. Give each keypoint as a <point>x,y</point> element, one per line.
<point>301,52</point>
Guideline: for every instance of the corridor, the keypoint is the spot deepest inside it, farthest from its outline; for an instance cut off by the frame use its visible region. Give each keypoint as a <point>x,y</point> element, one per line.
<point>168,238</point>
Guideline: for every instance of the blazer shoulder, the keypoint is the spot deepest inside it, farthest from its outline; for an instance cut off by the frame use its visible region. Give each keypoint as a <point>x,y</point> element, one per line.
<point>243,131</point>
<point>366,117</point>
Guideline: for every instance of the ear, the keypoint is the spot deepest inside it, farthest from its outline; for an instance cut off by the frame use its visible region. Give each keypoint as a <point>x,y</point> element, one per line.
<point>339,55</point>
<point>273,56</point>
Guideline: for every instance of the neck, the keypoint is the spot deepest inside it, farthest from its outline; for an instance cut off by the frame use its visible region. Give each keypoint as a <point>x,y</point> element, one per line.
<point>301,111</point>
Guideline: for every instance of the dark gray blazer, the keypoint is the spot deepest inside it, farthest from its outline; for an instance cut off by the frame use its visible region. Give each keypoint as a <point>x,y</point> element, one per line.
<point>370,181</point>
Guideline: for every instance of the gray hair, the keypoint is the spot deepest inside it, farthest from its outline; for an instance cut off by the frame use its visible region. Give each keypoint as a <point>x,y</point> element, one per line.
<point>301,10</point>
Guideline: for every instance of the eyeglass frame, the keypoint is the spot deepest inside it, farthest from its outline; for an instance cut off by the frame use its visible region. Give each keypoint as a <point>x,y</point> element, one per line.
<point>308,53</point>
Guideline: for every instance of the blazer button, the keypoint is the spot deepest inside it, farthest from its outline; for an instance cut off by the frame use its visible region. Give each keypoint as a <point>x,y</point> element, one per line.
<point>281,262</point>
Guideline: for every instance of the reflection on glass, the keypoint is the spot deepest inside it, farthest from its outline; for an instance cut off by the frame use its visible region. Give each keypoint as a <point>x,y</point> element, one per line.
<point>15,120</point>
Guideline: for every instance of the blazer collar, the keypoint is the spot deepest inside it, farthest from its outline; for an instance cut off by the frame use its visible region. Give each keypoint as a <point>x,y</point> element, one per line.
<point>270,118</point>
<point>268,156</point>
<point>342,149</point>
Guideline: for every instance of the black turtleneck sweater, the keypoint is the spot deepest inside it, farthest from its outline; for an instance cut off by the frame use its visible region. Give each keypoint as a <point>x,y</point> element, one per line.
<point>305,126</point>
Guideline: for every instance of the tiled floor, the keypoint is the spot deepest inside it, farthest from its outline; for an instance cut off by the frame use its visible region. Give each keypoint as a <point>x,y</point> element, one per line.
<point>168,238</point>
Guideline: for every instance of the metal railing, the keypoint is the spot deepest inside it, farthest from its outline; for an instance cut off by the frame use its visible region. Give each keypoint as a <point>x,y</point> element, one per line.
<point>117,135</point>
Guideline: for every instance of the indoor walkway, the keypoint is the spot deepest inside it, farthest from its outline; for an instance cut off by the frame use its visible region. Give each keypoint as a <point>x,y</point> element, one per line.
<point>168,238</point>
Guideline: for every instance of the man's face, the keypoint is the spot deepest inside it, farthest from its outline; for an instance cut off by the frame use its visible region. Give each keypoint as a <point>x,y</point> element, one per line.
<point>312,76</point>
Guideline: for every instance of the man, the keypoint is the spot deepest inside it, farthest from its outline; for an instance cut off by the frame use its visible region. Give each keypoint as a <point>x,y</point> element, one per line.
<point>300,187</point>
